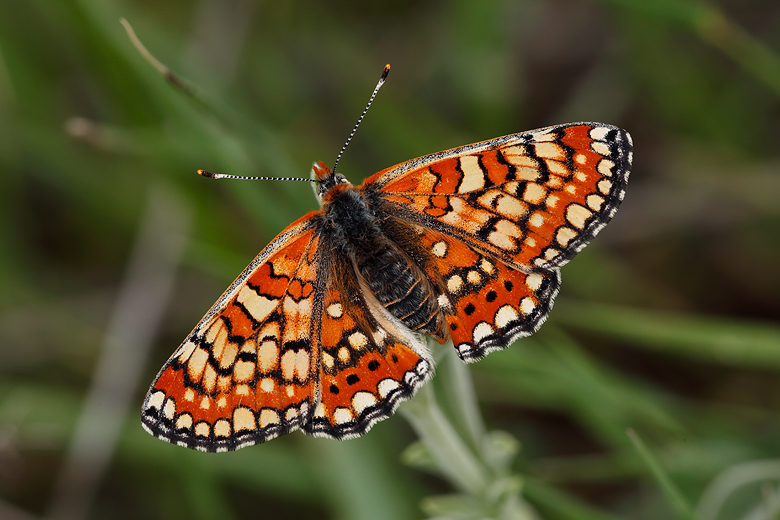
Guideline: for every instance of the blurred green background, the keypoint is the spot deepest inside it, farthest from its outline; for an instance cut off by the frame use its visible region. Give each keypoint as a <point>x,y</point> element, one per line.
<point>111,248</point>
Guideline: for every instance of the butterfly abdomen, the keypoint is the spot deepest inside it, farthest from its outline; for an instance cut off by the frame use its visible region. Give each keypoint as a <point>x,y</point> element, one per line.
<point>386,270</point>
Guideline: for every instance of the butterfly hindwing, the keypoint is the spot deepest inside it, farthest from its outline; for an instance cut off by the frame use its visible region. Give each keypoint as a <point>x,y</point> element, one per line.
<point>491,304</point>
<point>368,365</point>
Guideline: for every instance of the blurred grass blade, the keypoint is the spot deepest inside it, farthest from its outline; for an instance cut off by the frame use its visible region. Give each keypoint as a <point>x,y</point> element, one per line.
<point>726,340</point>
<point>681,506</point>
<point>172,78</point>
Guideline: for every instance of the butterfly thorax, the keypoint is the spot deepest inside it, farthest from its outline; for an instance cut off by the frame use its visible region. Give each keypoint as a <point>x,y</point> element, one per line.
<point>382,268</point>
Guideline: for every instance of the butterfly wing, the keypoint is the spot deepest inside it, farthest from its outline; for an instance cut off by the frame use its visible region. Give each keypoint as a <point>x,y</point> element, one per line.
<point>500,217</point>
<point>368,365</point>
<point>532,199</point>
<point>248,372</point>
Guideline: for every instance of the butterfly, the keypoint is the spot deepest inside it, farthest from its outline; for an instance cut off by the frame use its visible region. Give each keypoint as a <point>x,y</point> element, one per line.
<point>325,330</point>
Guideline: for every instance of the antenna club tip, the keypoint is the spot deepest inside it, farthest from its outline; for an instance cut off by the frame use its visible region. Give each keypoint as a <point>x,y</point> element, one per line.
<point>210,175</point>
<point>385,71</point>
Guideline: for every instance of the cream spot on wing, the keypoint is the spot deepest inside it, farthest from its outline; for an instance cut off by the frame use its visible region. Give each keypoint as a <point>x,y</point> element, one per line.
<point>482,331</point>
<point>291,414</point>
<point>564,235</point>
<point>580,176</point>
<point>605,167</point>
<point>290,389</point>
<point>343,354</point>
<point>362,400</point>
<point>488,198</point>
<point>342,415</point>
<point>454,283</point>
<point>214,330</point>
<point>530,242</point>
<point>580,158</point>
<point>228,355</point>
<point>527,305</point>
<point>486,266</point>
<point>386,386</point>
<point>259,307</point>
<point>224,383</point>
<point>335,310</point>
<point>550,253</point>
<point>186,351</point>
<point>184,422</point>
<point>267,356</point>
<point>244,370</point>
<point>379,336</point>
<point>319,410</point>
<point>440,249</point>
<point>571,188</point>
<point>222,428</point>
<point>358,340</point>
<point>600,148</point>
<point>545,136</point>
<point>599,133</point>
<point>594,202</point>
<point>242,390</point>
<point>327,360</point>
<point>554,181</point>
<point>205,403</point>
<point>557,168</point>
<point>604,186</point>
<point>505,316</point>
<point>518,156</point>
<point>552,200</point>
<point>473,176</point>
<point>534,193</point>
<point>511,207</point>
<point>577,215</point>
<point>156,400</point>
<point>222,401</point>
<point>473,277</point>
<point>197,364</point>
<point>288,365</point>
<point>267,384</point>
<point>209,379</point>
<point>268,417</point>
<point>501,240</point>
<point>202,429</point>
<point>243,419</point>
<point>302,365</point>
<point>533,281</point>
<point>169,409</point>
<point>536,220</point>
<point>550,150</point>
<point>189,395</point>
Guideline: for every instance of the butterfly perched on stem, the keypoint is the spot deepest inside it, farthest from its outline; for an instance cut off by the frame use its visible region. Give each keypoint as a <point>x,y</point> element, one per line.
<point>325,330</point>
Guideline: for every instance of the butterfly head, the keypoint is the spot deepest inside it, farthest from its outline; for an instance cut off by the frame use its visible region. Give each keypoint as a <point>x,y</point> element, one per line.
<point>327,180</point>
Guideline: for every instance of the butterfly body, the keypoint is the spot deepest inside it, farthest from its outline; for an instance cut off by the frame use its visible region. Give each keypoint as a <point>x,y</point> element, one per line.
<point>324,330</point>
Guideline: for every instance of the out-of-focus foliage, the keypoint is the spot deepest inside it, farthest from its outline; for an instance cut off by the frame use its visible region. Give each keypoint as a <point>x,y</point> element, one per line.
<point>666,324</point>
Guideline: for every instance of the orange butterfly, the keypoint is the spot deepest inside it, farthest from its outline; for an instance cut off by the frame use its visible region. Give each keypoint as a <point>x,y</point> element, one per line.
<point>324,330</point>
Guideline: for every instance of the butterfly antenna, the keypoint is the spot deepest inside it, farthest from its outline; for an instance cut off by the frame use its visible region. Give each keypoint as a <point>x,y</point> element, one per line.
<point>381,82</point>
<point>212,175</point>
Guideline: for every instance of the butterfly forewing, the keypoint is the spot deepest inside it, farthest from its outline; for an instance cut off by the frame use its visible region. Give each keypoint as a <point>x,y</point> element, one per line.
<point>533,198</point>
<point>247,372</point>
